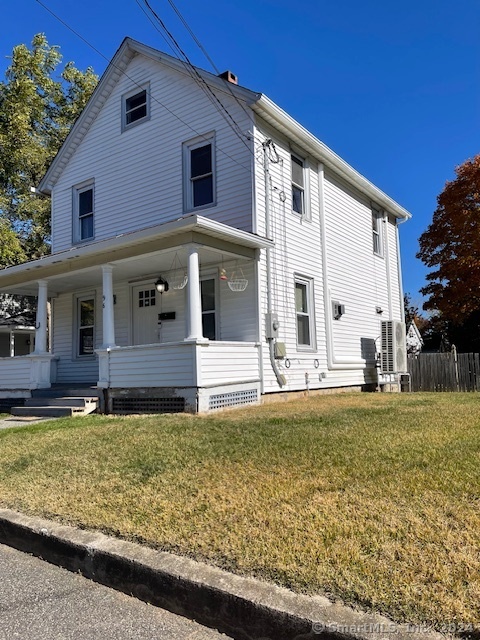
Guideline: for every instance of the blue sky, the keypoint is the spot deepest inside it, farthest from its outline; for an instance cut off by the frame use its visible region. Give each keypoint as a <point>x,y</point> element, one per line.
<point>393,88</point>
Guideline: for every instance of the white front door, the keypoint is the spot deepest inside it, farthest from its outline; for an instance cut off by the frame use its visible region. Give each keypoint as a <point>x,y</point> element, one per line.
<point>145,302</point>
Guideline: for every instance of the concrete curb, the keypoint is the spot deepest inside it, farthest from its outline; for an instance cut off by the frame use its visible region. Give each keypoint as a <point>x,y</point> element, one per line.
<point>244,608</point>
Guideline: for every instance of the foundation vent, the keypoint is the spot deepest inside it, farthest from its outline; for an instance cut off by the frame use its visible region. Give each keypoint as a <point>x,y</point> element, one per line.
<point>148,405</point>
<point>233,399</point>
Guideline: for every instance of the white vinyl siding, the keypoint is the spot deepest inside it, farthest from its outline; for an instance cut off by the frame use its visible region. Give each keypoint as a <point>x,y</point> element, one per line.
<point>69,367</point>
<point>138,174</point>
<point>357,278</point>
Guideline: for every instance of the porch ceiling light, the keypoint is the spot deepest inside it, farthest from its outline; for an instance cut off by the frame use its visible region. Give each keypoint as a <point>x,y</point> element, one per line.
<point>161,285</point>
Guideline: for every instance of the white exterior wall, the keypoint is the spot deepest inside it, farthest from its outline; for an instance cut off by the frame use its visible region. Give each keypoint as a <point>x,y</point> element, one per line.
<point>355,276</point>
<point>236,322</point>
<point>71,368</point>
<point>15,373</point>
<point>148,366</point>
<point>138,172</point>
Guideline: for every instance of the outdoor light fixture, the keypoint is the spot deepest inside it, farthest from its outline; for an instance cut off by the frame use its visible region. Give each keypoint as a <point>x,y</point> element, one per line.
<point>161,285</point>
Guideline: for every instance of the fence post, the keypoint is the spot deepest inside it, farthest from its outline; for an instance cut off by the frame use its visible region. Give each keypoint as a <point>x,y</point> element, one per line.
<point>455,360</point>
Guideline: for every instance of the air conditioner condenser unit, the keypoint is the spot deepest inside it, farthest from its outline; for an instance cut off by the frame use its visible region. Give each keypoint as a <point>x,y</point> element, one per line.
<point>393,352</point>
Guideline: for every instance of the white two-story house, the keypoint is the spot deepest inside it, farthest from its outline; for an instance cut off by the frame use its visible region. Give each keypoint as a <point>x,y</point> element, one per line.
<point>206,250</point>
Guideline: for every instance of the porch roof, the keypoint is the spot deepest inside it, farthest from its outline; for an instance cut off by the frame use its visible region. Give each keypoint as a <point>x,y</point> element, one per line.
<point>125,248</point>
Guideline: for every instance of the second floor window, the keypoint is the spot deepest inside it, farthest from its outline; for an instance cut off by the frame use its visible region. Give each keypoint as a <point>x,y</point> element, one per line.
<point>377,232</point>
<point>84,213</point>
<point>298,185</point>
<point>199,172</point>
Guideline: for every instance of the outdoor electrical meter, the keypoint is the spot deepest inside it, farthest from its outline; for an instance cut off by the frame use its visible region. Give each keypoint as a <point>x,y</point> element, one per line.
<point>272,326</point>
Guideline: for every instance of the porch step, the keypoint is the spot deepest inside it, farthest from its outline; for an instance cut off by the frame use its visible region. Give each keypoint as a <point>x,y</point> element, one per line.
<point>62,391</point>
<point>60,401</point>
<point>48,412</point>
<point>68,401</point>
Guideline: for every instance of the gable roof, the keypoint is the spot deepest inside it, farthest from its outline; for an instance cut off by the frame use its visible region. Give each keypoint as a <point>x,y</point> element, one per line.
<point>116,68</point>
<point>258,102</point>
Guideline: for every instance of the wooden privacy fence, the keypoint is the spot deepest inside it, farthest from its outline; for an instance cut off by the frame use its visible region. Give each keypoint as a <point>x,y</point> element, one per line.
<point>445,371</point>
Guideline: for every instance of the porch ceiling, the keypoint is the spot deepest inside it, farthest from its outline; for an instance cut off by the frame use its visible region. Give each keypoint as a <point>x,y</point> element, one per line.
<point>145,253</point>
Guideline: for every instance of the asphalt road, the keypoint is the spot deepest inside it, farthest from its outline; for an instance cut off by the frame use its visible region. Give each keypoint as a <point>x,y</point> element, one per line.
<point>39,600</point>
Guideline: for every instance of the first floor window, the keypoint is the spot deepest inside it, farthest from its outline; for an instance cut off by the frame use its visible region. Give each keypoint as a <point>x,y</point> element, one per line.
<point>86,326</point>
<point>209,312</point>
<point>304,312</point>
<point>84,213</point>
<point>377,232</point>
<point>199,173</point>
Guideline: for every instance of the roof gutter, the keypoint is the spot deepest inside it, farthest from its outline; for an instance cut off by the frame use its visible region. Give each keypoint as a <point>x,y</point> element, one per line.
<point>106,250</point>
<point>274,115</point>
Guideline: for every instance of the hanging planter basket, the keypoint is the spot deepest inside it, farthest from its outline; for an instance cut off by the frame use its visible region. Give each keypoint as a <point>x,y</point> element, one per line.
<point>237,281</point>
<point>179,281</point>
<point>179,278</point>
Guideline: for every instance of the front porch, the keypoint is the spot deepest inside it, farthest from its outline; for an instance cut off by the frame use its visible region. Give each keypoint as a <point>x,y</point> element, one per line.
<point>156,323</point>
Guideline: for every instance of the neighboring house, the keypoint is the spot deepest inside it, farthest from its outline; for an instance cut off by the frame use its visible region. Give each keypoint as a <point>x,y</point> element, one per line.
<point>17,335</point>
<point>280,259</point>
<point>414,339</point>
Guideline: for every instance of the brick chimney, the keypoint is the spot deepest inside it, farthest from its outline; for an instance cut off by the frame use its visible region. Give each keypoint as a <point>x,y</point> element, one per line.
<point>229,77</point>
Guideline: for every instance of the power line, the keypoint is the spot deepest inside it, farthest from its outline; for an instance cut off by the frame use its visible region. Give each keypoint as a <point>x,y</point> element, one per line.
<point>123,72</point>
<point>173,44</point>
<point>194,37</point>
<point>204,51</point>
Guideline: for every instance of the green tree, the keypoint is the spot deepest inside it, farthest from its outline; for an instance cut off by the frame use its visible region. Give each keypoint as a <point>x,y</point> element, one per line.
<point>38,106</point>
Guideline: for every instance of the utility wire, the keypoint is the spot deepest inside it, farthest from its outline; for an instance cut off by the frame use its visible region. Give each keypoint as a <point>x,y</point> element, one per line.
<point>194,37</point>
<point>123,72</point>
<point>198,78</point>
<point>205,53</point>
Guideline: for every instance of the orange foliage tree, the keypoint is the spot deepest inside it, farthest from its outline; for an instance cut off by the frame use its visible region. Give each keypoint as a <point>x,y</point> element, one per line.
<point>450,246</point>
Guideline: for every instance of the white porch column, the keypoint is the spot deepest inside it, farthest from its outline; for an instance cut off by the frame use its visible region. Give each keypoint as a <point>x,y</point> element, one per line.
<point>41,323</point>
<point>194,303</point>
<point>12,344</point>
<point>108,313</point>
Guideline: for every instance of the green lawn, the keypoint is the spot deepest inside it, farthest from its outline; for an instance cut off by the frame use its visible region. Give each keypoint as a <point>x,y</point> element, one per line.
<point>370,498</point>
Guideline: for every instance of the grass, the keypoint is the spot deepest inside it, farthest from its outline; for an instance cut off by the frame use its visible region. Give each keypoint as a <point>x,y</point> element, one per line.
<point>373,499</point>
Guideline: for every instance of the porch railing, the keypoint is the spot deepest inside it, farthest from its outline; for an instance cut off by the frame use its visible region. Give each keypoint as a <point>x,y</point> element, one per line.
<point>228,363</point>
<point>179,364</point>
<point>35,371</point>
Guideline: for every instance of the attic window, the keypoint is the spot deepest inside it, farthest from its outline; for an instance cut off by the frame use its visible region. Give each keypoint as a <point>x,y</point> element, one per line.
<point>135,107</point>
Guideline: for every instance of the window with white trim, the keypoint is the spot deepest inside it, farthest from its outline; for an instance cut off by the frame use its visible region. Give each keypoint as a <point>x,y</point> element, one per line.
<point>85,325</point>
<point>84,212</point>
<point>377,218</point>
<point>209,311</point>
<point>199,173</point>
<point>304,312</point>
<point>298,185</point>
<point>135,107</point>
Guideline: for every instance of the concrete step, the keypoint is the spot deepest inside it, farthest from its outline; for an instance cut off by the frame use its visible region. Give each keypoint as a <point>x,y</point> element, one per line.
<point>48,412</point>
<point>67,401</point>
<point>62,392</point>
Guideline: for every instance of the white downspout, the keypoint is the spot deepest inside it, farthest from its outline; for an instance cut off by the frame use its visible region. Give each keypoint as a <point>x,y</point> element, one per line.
<point>333,362</point>
<point>400,221</point>
<point>387,265</point>
<point>268,232</point>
